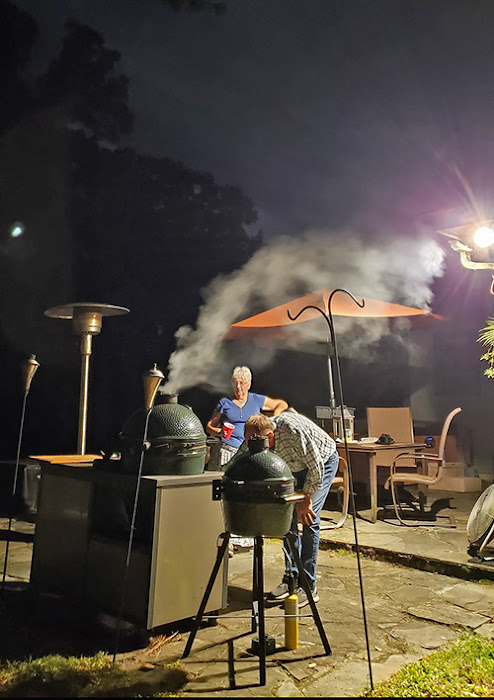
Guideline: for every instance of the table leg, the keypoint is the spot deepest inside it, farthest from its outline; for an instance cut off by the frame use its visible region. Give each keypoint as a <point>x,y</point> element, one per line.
<point>373,486</point>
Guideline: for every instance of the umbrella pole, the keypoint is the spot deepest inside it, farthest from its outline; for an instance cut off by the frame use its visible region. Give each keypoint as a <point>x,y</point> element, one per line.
<point>332,401</point>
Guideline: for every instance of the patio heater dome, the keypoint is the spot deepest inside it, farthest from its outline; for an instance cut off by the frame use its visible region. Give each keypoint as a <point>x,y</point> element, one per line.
<point>258,491</point>
<point>177,442</point>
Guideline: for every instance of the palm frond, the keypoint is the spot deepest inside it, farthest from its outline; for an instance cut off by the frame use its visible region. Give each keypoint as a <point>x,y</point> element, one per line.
<point>486,338</point>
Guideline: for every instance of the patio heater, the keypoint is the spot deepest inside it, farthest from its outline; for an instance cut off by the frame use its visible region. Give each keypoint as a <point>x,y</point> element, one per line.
<point>86,320</point>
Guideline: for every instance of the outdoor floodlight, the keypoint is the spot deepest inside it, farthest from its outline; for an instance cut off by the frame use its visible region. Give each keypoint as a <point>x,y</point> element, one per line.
<point>471,239</point>
<point>483,237</point>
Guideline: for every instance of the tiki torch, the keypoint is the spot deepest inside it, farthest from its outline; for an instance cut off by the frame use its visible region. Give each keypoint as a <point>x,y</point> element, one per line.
<point>28,370</point>
<point>151,381</point>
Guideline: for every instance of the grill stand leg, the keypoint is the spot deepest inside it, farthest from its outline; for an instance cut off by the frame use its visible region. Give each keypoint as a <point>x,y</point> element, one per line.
<point>222,549</point>
<point>258,600</point>
<point>258,621</point>
<point>255,594</point>
<point>292,539</point>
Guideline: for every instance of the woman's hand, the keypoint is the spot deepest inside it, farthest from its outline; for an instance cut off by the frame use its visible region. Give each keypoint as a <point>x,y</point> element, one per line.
<point>305,512</point>
<point>213,426</point>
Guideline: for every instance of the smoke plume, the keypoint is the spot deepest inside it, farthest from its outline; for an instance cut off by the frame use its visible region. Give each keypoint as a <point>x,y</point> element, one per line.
<point>395,269</point>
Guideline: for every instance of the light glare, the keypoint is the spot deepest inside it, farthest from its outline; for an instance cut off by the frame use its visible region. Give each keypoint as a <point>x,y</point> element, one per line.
<point>17,229</point>
<point>483,237</point>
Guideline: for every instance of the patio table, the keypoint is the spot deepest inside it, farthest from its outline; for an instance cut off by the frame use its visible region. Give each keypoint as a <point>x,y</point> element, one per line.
<point>370,451</point>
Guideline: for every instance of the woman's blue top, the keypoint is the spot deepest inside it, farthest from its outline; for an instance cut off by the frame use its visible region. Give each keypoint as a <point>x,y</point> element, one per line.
<point>231,413</point>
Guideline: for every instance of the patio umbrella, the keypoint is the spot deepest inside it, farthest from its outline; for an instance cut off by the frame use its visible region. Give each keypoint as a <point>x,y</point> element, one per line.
<point>273,322</point>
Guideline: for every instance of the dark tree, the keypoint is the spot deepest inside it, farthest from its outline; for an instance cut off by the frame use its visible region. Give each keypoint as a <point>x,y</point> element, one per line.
<point>215,6</point>
<point>83,78</point>
<point>102,224</point>
<point>18,33</point>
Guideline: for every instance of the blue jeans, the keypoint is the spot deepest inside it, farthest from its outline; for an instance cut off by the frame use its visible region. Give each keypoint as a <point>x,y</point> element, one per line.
<point>308,544</point>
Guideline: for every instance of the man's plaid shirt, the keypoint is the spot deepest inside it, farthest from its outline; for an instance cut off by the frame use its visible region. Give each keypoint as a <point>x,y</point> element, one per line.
<point>303,445</point>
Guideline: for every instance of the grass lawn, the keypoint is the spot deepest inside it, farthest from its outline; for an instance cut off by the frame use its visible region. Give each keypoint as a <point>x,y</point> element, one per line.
<point>464,668</point>
<point>54,650</point>
<point>75,677</point>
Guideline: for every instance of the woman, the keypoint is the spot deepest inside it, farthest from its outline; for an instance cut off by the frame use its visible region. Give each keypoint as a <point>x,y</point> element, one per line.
<point>236,411</point>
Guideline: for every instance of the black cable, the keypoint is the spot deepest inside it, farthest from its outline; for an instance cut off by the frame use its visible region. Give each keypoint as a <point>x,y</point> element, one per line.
<point>329,321</point>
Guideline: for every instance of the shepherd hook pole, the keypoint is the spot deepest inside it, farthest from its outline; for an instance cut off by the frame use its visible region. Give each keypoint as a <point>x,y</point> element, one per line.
<point>329,321</point>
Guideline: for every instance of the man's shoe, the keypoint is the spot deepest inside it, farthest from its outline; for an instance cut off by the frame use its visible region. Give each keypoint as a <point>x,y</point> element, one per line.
<point>302,596</point>
<point>278,594</point>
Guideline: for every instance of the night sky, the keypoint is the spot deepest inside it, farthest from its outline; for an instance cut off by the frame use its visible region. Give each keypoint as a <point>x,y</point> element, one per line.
<point>369,122</point>
<point>370,113</point>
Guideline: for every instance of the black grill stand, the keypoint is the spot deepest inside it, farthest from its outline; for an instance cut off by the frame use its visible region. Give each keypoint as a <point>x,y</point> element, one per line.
<point>258,620</point>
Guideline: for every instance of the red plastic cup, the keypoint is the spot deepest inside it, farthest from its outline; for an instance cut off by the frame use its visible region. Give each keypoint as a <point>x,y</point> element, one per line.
<point>228,429</point>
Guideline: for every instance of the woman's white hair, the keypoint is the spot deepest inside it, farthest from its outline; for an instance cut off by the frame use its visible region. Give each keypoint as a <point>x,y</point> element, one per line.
<point>242,373</point>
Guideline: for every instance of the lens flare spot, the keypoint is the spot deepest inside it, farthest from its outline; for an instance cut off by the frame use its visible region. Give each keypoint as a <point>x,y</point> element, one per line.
<point>483,237</point>
<point>16,230</point>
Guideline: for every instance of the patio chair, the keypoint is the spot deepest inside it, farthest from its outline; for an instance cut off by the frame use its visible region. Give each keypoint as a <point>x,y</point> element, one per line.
<point>341,483</point>
<point>397,422</point>
<point>421,478</point>
<point>394,421</point>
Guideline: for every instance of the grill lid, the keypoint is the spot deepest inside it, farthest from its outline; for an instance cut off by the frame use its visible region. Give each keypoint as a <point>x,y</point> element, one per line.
<point>258,464</point>
<point>167,420</point>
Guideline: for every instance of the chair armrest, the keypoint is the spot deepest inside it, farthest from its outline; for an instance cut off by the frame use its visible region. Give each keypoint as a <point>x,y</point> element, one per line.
<point>414,455</point>
<point>342,465</point>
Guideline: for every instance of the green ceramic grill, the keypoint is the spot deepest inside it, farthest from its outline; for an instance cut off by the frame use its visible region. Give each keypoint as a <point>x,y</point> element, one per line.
<point>177,442</point>
<point>258,492</point>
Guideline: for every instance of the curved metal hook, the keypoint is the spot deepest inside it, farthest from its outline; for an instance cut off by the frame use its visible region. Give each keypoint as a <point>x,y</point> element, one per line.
<point>316,308</point>
<point>328,316</point>
<point>345,291</point>
<point>310,306</point>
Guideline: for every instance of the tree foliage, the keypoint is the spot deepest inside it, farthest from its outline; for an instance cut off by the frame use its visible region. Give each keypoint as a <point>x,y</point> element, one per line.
<point>113,225</point>
<point>18,33</point>
<point>215,6</point>
<point>83,76</point>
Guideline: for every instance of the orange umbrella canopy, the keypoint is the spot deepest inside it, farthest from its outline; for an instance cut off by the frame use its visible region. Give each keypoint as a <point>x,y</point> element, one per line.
<point>341,305</point>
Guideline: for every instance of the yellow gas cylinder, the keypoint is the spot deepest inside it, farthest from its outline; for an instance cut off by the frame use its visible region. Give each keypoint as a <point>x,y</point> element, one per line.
<point>291,618</point>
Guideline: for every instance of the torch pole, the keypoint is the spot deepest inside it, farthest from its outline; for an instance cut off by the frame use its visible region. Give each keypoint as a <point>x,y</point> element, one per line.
<point>152,381</point>
<point>29,370</point>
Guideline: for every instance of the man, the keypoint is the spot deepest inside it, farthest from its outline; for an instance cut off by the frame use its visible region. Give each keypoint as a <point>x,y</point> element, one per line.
<point>311,455</point>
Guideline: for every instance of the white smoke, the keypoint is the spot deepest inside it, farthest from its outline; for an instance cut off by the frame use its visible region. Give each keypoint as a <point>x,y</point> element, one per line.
<point>395,269</point>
